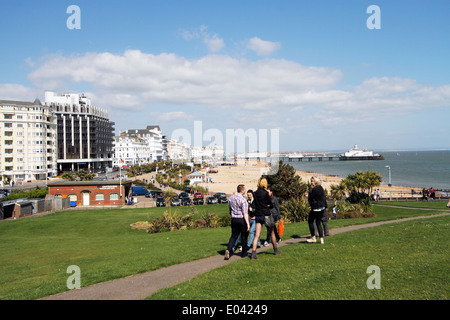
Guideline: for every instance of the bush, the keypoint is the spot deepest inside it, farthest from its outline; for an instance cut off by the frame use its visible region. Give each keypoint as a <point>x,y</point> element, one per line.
<point>176,222</point>
<point>348,210</point>
<point>295,210</point>
<point>31,194</point>
<point>358,197</point>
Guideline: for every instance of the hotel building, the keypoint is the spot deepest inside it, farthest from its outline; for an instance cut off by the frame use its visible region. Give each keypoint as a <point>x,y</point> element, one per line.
<point>131,150</point>
<point>27,141</point>
<point>154,138</point>
<point>85,133</point>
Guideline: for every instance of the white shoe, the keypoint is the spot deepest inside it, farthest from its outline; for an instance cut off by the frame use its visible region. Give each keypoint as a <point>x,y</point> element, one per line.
<point>312,240</point>
<point>321,240</point>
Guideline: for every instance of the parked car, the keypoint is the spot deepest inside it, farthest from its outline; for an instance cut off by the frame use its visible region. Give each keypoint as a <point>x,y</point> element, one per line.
<point>198,198</point>
<point>222,199</point>
<point>5,191</point>
<point>182,195</point>
<point>175,202</point>
<point>160,202</point>
<point>138,191</point>
<point>154,194</point>
<point>211,200</point>
<point>219,194</point>
<point>186,201</point>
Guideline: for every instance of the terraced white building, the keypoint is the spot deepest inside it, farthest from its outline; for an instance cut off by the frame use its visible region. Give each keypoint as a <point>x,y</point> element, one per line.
<point>28,140</point>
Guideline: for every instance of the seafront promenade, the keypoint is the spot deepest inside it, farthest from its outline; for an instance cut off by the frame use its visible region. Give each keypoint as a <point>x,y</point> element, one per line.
<point>226,178</point>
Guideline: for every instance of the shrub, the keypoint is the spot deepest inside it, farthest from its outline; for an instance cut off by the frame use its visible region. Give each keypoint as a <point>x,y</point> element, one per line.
<point>31,194</point>
<point>295,210</point>
<point>176,222</point>
<point>348,210</point>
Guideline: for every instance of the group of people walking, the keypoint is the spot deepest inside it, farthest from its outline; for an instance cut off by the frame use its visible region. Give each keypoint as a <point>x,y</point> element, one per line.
<point>261,208</point>
<point>248,217</point>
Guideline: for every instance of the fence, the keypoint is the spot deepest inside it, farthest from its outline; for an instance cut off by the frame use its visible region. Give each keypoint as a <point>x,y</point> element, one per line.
<point>20,208</point>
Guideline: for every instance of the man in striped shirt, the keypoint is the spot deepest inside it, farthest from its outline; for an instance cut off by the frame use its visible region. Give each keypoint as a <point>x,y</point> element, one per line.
<point>239,221</point>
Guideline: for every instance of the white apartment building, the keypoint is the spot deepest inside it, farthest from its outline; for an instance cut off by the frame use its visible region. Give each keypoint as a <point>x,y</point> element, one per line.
<point>130,150</point>
<point>28,141</point>
<point>154,137</point>
<point>209,154</point>
<point>177,150</point>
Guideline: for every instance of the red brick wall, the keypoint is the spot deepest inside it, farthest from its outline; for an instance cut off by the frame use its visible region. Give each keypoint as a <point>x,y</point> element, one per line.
<point>106,190</point>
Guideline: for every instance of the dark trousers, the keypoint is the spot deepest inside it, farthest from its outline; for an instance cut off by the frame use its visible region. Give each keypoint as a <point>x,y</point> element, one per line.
<point>238,226</point>
<point>315,218</point>
<point>269,233</point>
<point>325,223</point>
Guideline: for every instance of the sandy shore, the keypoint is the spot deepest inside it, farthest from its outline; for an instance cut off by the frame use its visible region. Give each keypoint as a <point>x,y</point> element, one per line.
<point>248,172</point>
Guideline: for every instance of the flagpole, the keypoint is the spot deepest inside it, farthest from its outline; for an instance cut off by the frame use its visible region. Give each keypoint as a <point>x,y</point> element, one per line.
<point>120,177</point>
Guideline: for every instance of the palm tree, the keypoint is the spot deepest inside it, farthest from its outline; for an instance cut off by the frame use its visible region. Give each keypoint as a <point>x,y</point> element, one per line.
<point>337,191</point>
<point>373,180</point>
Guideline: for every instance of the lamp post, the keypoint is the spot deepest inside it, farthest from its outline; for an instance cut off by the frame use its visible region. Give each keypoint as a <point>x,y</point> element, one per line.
<point>390,192</point>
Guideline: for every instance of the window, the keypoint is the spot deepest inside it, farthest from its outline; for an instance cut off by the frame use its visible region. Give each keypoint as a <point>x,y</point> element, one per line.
<point>73,197</point>
<point>99,197</point>
<point>113,196</point>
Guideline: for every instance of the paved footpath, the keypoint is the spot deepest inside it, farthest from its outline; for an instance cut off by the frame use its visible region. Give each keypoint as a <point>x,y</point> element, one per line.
<point>143,285</point>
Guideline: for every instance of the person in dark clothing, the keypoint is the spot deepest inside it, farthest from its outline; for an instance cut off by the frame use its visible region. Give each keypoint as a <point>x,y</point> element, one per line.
<point>276,214</point>
<point>318,204</point>
<point>263,204</point>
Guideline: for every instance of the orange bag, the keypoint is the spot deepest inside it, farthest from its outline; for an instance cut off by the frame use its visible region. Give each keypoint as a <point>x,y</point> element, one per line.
<point>280,228</point>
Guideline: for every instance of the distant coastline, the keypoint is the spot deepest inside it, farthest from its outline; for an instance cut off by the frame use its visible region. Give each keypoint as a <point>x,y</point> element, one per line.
<point>248,172</point>
<point>411,169</point>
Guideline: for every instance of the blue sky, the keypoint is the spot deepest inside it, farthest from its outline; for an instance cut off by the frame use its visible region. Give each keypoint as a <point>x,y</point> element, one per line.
<point>311,69</point>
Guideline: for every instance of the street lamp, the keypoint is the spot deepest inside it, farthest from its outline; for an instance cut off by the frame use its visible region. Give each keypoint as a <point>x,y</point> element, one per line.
<point>390,192</point>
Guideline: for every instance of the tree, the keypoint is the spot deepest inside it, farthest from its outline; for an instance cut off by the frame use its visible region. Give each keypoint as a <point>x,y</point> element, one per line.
<point>360,184</point>
<point>285,184</point>
<point>84,176</point>
<point>337,191</point>
<point>68,176</point>
<point>80,175</point>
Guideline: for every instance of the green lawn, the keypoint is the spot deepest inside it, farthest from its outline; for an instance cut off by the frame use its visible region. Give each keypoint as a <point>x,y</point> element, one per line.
<point>412,257</point>
<point>418,204</point>
<point>36,252</point>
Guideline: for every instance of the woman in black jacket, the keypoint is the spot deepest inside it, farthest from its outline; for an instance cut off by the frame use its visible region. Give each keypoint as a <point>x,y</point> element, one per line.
<point>318,203</point>
<point>263,204</point>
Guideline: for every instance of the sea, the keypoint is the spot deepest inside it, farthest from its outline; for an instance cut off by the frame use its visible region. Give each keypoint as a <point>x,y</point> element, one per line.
<point>418,169</point>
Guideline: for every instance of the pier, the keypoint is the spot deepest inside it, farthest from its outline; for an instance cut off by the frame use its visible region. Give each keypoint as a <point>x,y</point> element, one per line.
<point>327,157</point>
<point>309,156</point>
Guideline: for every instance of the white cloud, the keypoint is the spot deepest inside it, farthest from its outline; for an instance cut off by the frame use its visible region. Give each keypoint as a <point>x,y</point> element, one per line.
<point>172,116</point>
<point>12,91</point>
<point>262,47</point>
<point>214,80</point>
<point>212,41</point>
<point>271,89</point>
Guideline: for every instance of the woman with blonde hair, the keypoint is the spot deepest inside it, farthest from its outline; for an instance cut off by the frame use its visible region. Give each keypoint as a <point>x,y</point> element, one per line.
<point>263,204</point>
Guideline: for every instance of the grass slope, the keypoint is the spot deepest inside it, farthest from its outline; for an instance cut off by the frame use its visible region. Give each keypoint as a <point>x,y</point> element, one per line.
<point>412,257</point>
<point>36,252</point>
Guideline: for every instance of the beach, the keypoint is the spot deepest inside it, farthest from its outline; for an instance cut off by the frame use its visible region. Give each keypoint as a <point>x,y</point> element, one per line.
<point>248,172</point>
